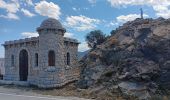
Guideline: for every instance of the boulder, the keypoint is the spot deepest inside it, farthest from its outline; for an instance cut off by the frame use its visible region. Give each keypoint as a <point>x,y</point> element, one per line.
<point>134,89</point>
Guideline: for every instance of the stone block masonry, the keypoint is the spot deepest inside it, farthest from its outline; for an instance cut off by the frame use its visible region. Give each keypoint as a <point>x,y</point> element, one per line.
<point>47,61</point>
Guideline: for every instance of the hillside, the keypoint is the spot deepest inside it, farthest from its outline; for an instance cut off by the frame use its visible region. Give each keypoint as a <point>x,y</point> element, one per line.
<point>133,63</point>
<point>81,54</point>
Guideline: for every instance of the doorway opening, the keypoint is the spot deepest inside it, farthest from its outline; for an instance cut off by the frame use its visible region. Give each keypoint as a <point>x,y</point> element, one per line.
<point>23,65</point>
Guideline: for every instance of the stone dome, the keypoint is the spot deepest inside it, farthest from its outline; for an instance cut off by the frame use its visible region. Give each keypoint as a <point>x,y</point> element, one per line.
<point>51,23</point>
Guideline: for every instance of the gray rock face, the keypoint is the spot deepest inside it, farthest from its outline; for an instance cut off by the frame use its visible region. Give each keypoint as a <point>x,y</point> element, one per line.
<point>135,89</point>
<point>138,62</point>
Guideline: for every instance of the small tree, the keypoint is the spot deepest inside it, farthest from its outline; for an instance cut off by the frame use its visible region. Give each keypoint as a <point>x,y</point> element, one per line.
<point>113,32</point>
<point>95,38</point>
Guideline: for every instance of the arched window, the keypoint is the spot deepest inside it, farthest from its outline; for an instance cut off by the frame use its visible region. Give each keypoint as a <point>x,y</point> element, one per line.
<point>36,59</point>
<point>68,58</point>
<point>51,58</point>
<point>12,60</point>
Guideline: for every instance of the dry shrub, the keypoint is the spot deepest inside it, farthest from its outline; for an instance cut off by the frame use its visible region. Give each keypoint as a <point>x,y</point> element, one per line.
<point>113,40</point>
<point>93,53</point>
<point>110,42</point>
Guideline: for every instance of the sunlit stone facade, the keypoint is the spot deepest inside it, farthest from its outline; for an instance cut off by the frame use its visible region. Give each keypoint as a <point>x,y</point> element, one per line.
<point>47,61</point>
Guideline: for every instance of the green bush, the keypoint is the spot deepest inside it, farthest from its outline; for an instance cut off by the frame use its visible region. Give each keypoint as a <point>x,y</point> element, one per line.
<point>95,38</point>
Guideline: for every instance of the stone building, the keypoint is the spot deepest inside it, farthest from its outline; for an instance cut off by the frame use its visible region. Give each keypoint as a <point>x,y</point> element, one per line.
<point>46,61</point>
<point>2,69</point>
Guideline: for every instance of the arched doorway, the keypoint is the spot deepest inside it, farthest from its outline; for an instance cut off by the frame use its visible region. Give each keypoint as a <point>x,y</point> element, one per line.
<point>23,65</point>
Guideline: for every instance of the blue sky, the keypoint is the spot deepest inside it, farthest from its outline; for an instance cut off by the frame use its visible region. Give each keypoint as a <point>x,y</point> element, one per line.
<point>20,18</point>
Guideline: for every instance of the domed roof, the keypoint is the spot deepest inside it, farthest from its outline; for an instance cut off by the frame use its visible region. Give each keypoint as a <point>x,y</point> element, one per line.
<point>51,23</point>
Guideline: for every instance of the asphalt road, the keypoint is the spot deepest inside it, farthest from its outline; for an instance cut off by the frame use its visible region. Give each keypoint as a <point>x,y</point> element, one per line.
<point>7,93</point>
<point>5,96</point>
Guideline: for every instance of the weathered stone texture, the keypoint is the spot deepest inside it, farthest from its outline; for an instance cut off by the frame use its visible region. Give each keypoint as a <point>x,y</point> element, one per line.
<point>2,68</point>
<point>50,38</point>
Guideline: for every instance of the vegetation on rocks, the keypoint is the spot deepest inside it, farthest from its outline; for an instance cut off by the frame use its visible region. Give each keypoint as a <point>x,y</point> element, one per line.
<point>134,62</point>
<point>95,38</point>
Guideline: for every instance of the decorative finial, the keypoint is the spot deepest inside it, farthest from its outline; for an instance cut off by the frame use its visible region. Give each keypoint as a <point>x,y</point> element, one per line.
<point>141,13</point>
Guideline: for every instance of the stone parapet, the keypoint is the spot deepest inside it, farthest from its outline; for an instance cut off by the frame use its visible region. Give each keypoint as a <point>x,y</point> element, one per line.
<point>71,40</point>
<point>36,39</point>
<point>33,39</point>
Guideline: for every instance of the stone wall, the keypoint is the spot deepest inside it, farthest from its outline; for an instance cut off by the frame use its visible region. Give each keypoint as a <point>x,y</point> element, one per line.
<point>52,48</point>
<point>2,68</point>
<point>72,49</point>
<point>60,74</point>
<point>43,75</point>
<point>14,48</point>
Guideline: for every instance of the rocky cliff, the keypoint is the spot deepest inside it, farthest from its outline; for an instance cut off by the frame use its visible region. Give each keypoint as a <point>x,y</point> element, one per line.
<point>134,62</point>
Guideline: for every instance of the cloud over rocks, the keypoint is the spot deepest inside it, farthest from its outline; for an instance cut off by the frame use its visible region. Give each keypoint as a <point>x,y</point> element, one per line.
<point>81,23</point>
<point>130,17</point>
<point>161,7</point>
<point>49,9</point>
<point>162,11</point>
<point>125,18</point>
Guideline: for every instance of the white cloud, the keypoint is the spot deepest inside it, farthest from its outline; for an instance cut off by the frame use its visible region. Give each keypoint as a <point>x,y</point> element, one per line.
<point>162,11</point>
<point>29,34</point>
<point>11,7</point>
<point>112,23</point>
<point>130,17</point>
<point>49,9</point>
<point>69,35</point>
<point>83,47</point>
<point>79,9</point>
<point>27,13</point>
<point>10,16</point>
<point>116,3</point>
<point>81,23</point>
<point>125,18</point>
<point>29,2</point>
<point>161,7</point>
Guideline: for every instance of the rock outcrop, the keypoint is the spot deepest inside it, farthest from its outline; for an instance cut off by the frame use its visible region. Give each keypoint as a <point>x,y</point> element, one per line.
<point>135,60</point>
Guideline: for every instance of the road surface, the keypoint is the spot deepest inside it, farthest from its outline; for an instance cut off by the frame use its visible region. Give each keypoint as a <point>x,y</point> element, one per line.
<point>18,94</point>
<point>4,96</point>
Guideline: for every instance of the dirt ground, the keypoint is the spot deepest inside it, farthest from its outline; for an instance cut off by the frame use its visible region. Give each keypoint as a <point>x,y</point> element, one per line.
<point>67,91</point>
